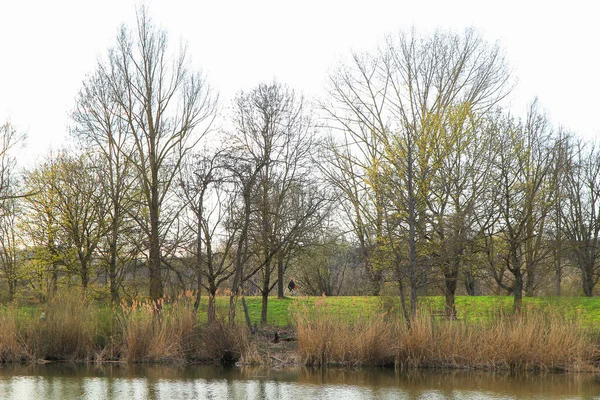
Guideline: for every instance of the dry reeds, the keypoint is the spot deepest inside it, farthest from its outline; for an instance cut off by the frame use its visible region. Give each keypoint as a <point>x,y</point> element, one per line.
<point>325,338</point>
<point>532,340</point>
<point>226,343</point>
<point>64,331</point>
<point>11,349</point>
<point>153,331</point>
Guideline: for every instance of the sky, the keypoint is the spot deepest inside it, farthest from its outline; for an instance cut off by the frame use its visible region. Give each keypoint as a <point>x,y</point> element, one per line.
<point>48,47</point>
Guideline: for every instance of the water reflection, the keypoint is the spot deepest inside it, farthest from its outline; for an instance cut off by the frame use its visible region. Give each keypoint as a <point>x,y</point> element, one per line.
<point>66,381</point>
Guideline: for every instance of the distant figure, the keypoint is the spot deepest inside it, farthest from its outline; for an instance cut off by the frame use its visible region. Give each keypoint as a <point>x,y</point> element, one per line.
<point>43,316</point>
<point>292,287</point>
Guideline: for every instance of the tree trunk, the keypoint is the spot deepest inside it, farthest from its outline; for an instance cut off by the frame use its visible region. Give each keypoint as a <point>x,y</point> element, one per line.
<point>246,313</point>
<point>558,278</point>
<point>154,262</point>
<point>587,280</point>
<point>265,299</point>
<point>212,314</point>
<point>240,252</point>
<point>376,283</point>
<point>280,271</point>
<point>12,289</point>
<point>112,273</point>
<point>84,273</point>
<point>450,283</point>
<point>405,310</point>
<point>470,284</point>
<point>412,232</point>
<point>530,282</point>
<point>198,268</point>
<point>518,290</point>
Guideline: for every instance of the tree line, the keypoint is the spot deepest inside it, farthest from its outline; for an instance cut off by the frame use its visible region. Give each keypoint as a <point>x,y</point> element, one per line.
<point>409,174</point>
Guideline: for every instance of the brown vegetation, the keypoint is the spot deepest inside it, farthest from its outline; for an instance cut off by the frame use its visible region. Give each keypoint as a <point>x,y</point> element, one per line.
<point>531,341</point>
<point>74,330</point>
<point>69,329</point>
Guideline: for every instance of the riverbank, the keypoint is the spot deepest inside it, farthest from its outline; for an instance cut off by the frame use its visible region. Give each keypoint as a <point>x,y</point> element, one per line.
<point>318,332</point>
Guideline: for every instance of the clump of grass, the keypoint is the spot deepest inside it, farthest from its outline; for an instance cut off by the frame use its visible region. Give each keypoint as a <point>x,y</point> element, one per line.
<point>66,330</point>
<point>327,338</point>
<point>158,332</point>
<point>533,340</point>
<point>226,344</point>
<point>11,349</point>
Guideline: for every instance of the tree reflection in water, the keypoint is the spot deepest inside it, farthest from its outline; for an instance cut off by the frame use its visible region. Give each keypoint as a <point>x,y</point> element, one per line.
<point>122,381</point>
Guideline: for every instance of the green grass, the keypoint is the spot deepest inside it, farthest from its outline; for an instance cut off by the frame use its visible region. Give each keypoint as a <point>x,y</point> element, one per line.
<point>471,308</point>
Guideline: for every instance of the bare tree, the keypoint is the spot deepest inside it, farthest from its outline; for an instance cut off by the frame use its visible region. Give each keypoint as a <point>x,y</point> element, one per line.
<point>274,129</point>
<point>581,219</point>
<point>100,130</point>
<point>404,95</point>
<point>203,188</point>
<point>166,108</point>
<point>10,207</point>
<point>524,199</point>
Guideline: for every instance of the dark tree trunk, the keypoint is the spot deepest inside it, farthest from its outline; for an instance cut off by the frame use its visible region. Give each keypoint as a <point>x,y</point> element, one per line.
<point>263,311</point>
<point>112,273</point>
<point>518,289</point>
<point>587,280</point>
<point>154,265</point>
<point>84,271</point>
<point>265,294</point>
<point>450,283</point>
<point>470,284</point>
<point>530,282</point>
<point>12,288</point>
<point>198,268</point>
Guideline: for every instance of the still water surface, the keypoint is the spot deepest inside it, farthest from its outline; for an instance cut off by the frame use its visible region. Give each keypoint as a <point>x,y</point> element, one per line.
<point>65,382</point>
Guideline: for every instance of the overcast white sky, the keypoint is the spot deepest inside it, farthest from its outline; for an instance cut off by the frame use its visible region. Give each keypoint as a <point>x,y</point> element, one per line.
<point>47,48</point>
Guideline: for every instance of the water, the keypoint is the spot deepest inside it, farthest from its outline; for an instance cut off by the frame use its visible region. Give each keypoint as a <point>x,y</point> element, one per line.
<point>66,381</point>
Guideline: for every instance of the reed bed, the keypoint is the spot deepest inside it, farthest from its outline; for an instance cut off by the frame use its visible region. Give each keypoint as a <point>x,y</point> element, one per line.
<point>533,340</point>
<point>327,338</point>
<point>68,328</point>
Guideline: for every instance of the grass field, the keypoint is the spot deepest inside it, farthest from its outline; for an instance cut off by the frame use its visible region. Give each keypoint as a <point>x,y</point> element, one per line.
<point>469,308</point>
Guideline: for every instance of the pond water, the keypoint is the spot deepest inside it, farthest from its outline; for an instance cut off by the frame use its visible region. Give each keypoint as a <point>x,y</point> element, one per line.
<point>66,381</point>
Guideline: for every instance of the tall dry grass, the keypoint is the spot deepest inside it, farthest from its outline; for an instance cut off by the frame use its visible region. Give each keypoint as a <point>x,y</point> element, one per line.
<point>74,330</point>
<point>227,344</point>
<point>158,332</point>
<point>11,349</point>
<point>326,338</point>
<point>67,331</point>
<point>533,340</point>
<point>169,332</point>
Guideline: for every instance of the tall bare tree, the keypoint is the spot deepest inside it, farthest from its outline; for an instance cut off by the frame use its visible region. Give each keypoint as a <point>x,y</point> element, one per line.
<point>208,202</point>
<point>524,199</point>
<point>10,206</point>
<point>100,130</point>
<point>274,128</point>
<point>581,219</point>
<point>404,94</point>
<point>166,108</point>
